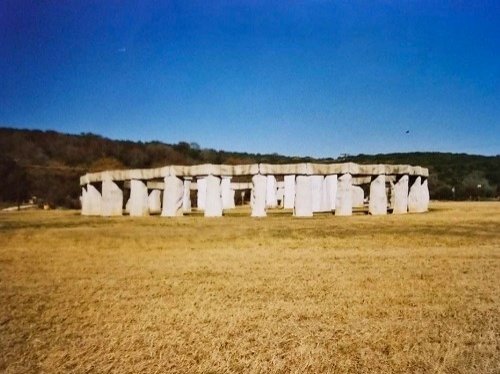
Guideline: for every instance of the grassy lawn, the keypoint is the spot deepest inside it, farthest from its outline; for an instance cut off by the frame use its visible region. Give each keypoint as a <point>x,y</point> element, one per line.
<point>412,293</point>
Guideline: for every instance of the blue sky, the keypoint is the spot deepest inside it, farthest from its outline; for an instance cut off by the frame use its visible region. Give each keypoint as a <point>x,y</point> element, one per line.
<point>315,78</point>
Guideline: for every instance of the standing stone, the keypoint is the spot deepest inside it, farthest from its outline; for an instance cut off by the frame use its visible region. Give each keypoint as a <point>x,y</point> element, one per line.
<point>400,195</point>
<point>415,196</point>
<point>271,200</point>
<point>154,201</point>
<point>227,193</point>
<point>201,195</point>
<point>378,197</point>
<point>186,197</point>
<point>84,202</point>
<point>303,196</point>
<point>213,202</point>
<point>258,198</point>
<point>172,197</point>
<point>112,199</point>
<point>343,204</point>
<point>425,195</point>
<point>139,204</point>
<point>289,196</point>
<point>316,192</point>
<point>94,200</point>
<point>329,192</point>
<point>357,197</point>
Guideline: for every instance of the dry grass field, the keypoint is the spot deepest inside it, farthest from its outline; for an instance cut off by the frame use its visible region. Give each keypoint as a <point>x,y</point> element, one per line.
<point>414,293</point>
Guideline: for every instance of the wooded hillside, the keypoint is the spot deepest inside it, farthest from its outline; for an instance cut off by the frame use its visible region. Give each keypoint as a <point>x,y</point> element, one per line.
<point>47,164</point>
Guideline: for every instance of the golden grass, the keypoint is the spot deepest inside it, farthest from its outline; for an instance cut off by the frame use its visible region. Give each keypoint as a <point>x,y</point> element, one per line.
<point>414,293</point>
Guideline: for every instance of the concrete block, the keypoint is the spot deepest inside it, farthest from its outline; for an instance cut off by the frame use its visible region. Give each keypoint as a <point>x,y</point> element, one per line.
<point>186,197</point>
<point>343,204</point>
<point>316,192</point>
<point>201,195</point>
<point>378,197</point>
<point>303,196</point>
<point>139,204</point>
<point>415,195</point>
<point>258,198</point>
<point>271,189</point>
<point>399,195</point>
<point>154,201</point>
<point>172,197</point>
<point>227,193</point>
<point>213,202</point>
<point>112,199</point>
<point>289,193</point>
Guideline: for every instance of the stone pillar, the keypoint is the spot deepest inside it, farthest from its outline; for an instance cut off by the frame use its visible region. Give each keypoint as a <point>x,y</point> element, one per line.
<point>343,204</point>
<point>316,192</point>
<point>172,197</point>
<point>280,194</point>
<point>329,192</point>
<point>303,196</point>
<point>154,201</point>
<point>138,204</point>
<point>186,197</point>
<point>227,193</point>
<point>415,195</point>
<point>94,201</point>
<point>425,195</point>
<point>84,202</point>
<point>271,201</point>
<point>201,194</point>
<point>213,202</point>
<point>112,199</point>
<point>357,197</point>
<point>400,195</point>
<point>258,198</point>
<point>378,198</point>
<point>289,192</point>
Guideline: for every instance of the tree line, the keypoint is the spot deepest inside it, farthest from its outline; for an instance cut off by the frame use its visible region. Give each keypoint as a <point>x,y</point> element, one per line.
<point>47,164</point>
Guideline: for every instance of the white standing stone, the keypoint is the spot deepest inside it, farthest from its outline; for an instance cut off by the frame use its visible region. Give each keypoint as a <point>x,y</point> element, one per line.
<point>112,199</point>
<point>172,197</point>
<point>425,195</point>
<point>415,196</point>
<point>303,196</point>
<point>186,197</point>
<point>329,192</point>
<point>94,200</point>
<point>258,198</point>
<point>271,200</point>
<point>213,202</point>
<point>84,202</point>
<point>289,192</point>
<point>357,196</point>
<point>154,201</point>
<point>227,193</point>
<point>400,195</point>
<point>201,195</point>
<point>139,204</point>
<point>378,198</point>
<point>343,204</point>
<point>316,192</point>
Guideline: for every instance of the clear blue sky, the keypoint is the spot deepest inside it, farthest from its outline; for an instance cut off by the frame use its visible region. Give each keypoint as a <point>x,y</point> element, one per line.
<point>314,78</point>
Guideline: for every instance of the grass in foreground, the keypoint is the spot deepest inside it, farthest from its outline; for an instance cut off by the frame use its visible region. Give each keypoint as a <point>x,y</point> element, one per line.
<point>414,293</point>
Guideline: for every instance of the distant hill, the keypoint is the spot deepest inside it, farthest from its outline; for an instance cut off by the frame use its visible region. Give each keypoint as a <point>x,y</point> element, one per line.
<point>47,164</point>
